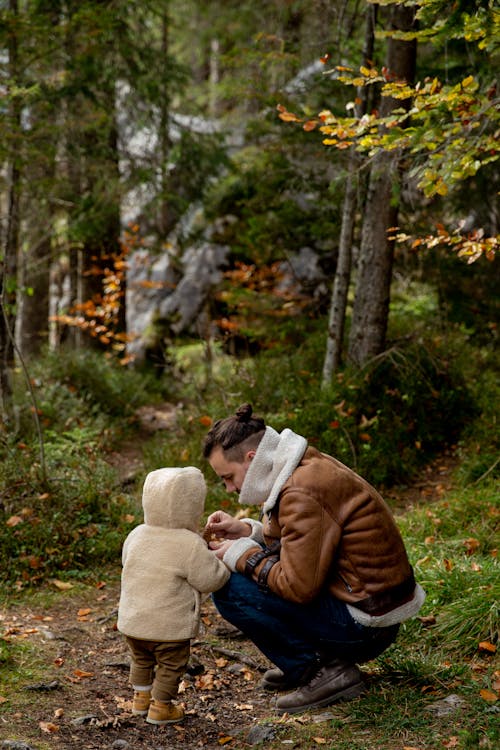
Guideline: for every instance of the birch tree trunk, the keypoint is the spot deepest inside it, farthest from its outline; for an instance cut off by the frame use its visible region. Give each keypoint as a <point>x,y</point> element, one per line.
<point>374,273</point>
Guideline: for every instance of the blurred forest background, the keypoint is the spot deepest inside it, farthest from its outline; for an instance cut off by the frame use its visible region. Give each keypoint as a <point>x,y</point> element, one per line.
<point>292,203</point>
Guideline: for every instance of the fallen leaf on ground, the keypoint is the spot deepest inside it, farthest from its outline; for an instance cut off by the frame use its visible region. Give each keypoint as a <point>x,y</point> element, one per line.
<point>488,695</point>
<point>48,726</point>
<point>61,585</point>
<point>487,646</point>
<point>83,612</point>
<point>80,673</point>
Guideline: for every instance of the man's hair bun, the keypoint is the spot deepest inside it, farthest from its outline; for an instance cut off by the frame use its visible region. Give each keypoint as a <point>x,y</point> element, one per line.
<point>244,413</point>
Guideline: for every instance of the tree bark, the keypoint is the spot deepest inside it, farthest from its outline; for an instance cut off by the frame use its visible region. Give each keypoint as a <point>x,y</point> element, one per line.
<point>8,258</point>
<point>371,304</point>
<point>337,315</point>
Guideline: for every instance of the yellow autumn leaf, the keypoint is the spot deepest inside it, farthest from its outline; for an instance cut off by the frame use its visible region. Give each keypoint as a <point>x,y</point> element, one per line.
<point>319,740</point>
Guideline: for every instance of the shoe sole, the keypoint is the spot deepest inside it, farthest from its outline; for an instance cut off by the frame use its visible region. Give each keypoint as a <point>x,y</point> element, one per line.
<point>136,712</point>
<point>344,695</point>
<point>162,722</point>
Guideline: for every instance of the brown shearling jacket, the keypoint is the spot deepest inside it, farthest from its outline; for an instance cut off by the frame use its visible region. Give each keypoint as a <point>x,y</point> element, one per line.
<point>335,532</point>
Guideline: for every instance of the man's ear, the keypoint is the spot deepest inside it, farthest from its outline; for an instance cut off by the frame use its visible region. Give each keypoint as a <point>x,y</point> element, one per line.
<point>250,454</point>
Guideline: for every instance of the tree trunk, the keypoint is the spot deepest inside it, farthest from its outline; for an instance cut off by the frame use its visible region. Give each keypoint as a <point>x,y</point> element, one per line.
<point>8,258</point>
<point>336,320</point>
<point>33,298</point>
<point>374,274</point>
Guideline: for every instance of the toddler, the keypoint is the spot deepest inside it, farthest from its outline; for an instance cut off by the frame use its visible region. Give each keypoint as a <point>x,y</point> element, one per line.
<point>167,567</point>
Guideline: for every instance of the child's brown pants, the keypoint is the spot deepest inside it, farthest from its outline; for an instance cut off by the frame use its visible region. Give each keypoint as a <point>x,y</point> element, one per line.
<point>158,664</point>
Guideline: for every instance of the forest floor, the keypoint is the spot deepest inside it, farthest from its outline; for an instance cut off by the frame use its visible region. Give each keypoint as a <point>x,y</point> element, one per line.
<point>84,700</point>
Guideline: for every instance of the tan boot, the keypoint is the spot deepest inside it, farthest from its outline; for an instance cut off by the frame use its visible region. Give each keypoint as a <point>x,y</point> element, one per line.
<point>164,713</point>
<point>142,699</point>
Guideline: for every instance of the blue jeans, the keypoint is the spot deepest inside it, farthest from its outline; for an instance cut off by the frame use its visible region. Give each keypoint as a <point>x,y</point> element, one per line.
<point>297,637</point>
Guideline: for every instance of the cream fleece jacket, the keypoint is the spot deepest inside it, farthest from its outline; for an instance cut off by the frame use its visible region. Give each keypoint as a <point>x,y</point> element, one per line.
<point>167,566</point>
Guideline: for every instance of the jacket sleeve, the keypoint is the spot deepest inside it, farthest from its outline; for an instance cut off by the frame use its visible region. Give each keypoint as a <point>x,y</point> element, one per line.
<point>206,573</point>
<point>309,541</point>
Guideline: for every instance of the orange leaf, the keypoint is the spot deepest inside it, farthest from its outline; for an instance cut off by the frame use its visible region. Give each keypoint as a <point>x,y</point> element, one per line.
<point>224,740</point>
<point>310,125</point>
<point>13,521</point>
<point>205,420</point>
<point>81,673</point>
<point>48,726</point>
<point>487,646</point>
<point>319,740</point>
<point>83,612</point>
<point>448,564</point>
<point>452,742</point>
<point>488,695</point>
<point>324,59</point>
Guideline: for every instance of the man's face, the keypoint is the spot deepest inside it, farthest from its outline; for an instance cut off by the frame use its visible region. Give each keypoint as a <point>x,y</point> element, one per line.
<point>232,473</point>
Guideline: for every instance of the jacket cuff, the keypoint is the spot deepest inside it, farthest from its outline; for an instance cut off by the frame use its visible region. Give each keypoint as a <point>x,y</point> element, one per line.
<point>237,549</point>
<point>257,533</point>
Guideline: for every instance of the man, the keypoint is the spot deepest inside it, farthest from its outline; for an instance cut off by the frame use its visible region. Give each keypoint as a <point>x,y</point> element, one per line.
<point>322,581</point>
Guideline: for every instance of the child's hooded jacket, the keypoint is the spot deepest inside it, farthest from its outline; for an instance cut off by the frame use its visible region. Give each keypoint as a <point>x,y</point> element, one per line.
<point>167,565</point>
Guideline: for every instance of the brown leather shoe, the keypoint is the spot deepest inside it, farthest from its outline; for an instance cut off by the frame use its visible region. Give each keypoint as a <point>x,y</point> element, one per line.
<point>335,681</point>
<point>275,679</point>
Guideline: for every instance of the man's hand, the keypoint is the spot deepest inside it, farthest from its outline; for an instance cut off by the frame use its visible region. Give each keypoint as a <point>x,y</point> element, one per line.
<point>224,526</point>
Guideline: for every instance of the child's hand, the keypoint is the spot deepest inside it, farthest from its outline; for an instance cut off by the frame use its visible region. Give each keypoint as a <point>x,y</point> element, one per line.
<point>219,547</point>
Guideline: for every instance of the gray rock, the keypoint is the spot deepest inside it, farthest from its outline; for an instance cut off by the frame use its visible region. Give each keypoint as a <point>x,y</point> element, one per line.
<point>81,720</point>
<point>260,733</point>
<point>446,706</point>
